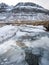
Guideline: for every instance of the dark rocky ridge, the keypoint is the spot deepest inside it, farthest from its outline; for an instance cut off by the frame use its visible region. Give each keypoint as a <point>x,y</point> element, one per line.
<point>4,8</point>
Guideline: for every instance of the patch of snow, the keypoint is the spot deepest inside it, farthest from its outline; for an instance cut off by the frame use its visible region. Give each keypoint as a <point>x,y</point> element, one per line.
<point>6,46</point>
<point>42,42</point>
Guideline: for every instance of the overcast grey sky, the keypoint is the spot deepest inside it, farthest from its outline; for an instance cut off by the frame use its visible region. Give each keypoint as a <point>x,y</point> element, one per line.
<point>44,3</point>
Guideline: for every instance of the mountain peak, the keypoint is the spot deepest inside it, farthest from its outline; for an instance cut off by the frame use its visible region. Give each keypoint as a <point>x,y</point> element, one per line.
<point>3,5</point>
<point>28,4</point>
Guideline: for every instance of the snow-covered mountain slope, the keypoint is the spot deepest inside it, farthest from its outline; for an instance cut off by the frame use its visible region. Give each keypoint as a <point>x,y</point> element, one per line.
<point>21,45</point>
<point>30,11</point>
<point>23,11</point>
<point>4,11</point>
<point>4,7</point>
<point>29,7</point>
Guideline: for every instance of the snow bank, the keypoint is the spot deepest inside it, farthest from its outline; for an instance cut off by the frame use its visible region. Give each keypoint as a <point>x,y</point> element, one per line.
<point>42,42</point>
<point>7,46</point>
<point>7,32</point>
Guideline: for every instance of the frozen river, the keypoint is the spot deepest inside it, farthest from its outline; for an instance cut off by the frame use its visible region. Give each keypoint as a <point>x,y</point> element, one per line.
<point>24,45</point>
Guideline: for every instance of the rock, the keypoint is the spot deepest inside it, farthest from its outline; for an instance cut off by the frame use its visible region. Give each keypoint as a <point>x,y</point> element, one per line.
<point>31,58</point>
<point>47,27</point>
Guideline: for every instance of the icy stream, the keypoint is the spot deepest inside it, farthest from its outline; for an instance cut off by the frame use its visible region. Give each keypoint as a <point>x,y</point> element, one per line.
<point>24,45</point>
